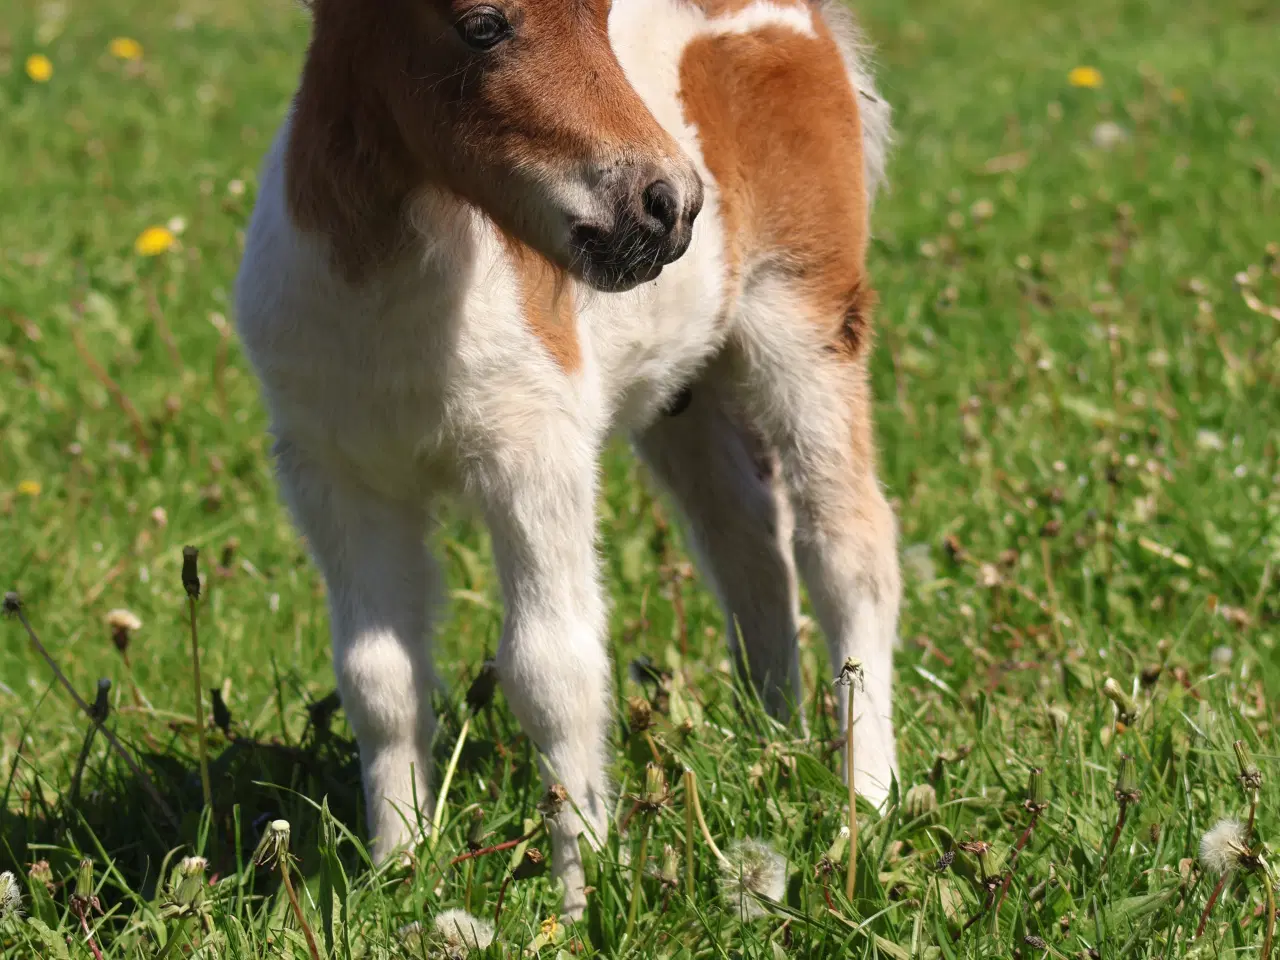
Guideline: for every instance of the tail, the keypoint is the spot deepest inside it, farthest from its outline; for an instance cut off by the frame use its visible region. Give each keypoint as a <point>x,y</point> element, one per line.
<point>873,109</point>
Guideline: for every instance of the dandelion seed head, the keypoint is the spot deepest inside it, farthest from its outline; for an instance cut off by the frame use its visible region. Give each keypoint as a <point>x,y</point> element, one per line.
<point>921,801</point>
<point>123,620</point>
<point>459,933</point>
<point>1108,135</point>
<point>192,866</point>
<point>754,869</point>
<point>982,209</point>
<point>1222,848</point>
<point>274,843</point>
<point>10,896</point>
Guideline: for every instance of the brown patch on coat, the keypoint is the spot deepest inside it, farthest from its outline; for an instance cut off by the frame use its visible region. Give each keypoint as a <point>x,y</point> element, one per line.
<point>780,132</point>
<point>546,299</point>
<point>348,170</point>
<point>392,101</point>
<point>854,335</point>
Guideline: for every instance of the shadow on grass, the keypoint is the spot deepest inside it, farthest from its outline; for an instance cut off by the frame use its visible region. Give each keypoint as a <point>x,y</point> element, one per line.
<point>108,814</point>
<point>111,817</point>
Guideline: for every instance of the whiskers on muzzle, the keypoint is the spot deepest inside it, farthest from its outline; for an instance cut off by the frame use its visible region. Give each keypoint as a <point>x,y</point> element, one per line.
<point>650,226</point>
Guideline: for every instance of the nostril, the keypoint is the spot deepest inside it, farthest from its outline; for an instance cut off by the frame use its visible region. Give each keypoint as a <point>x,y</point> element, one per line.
<point>661,204</point>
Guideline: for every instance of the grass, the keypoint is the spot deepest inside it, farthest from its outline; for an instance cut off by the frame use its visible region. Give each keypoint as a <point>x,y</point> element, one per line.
<point>1077,412</point>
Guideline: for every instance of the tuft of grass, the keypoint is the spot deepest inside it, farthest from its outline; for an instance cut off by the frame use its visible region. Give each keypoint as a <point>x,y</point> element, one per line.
<point>1076,382</point>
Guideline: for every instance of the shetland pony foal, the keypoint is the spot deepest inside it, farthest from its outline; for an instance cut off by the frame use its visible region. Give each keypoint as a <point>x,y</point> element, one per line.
<point>474,256</point>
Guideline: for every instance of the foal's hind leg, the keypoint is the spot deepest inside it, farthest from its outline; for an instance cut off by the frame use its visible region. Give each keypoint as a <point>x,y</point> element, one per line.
<point>808,390</point>
<point>726,483</point>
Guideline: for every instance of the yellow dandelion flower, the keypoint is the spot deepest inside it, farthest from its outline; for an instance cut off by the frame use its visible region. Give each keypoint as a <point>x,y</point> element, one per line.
<point>30,488</point>
<point>39,68</point>
<point>550,927</point>
<point>125,48</point>
<point>1178,95</point>
<point>154,241</point>
<point>1089,77</point>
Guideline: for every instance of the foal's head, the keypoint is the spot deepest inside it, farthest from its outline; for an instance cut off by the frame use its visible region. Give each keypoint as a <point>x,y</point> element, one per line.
<point>519,107</point>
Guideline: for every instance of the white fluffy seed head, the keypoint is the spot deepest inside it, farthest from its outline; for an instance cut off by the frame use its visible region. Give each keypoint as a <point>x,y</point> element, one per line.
<point>10,896</point>
<point>459,933</point>
<point>123,620</point>
<point>754,869</point>
<point>1222,848</point>
<point>193,866</point>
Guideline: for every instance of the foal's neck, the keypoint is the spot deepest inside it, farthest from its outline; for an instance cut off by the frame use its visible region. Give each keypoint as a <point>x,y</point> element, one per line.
<point>350,175</point>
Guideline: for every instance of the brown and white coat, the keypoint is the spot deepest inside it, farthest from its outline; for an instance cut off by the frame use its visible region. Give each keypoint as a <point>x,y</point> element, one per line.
<point>491,233</point>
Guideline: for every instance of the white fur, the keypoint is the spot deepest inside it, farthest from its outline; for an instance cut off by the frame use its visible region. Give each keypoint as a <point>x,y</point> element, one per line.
<point>760,15</point>
<point>425,380</point>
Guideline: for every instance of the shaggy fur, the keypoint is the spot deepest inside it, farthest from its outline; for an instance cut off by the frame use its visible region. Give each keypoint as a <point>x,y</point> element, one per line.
<point>426,320</point>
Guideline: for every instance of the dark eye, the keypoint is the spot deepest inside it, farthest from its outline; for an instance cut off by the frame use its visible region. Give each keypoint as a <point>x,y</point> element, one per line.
<point>483,28</point>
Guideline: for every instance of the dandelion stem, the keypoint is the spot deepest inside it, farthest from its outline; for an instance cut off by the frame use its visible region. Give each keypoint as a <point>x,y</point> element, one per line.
<point>496,848</point>
<point>14,606</point>
<point>1052,590</point>
<point>639,876</point>
<point>986,905</point>
<point>852,873</point>
<point>466,898</point>
<point>297,909</point>
<point>174,937</point>
<point>1208,907</point>
<point>689,788</point>
<point>1013,860</point>
<point>502,892</point>
<point>677,606</point>
<point>202,745</point>
<point>100,710</point>
<point>113,389</point>
<point>83,914</point>
<point>449,771</point>
<point>1268,938</point>
<point>165,331</point>
<point>1108,534</point>
<point>653,748</point>
<point>1115,834</point>
<point>691,784</point>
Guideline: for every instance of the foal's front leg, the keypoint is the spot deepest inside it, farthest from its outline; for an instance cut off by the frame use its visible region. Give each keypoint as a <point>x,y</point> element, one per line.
<point>552,660</point>
<point>380,582</point>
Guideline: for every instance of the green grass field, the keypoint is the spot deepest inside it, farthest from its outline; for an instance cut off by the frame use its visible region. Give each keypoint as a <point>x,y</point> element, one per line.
<point>1078,382</point>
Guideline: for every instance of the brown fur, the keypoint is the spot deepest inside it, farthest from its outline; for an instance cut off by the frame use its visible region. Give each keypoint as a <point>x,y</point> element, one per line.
<point>392,102</point>
<point>348,169</point>
<point>779,128</point>
<point>855,324</point>
<point>547,299</point>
